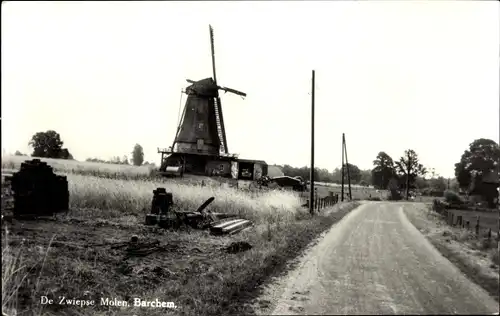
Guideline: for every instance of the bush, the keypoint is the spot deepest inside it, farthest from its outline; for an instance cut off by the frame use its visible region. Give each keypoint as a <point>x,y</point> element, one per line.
<point>438,206</point>
<point>452,197</point>
<point>394,195</point>
<point>432,192</point>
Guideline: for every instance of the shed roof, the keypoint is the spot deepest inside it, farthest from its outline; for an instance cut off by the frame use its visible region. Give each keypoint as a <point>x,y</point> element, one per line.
<point>491,177</point>
<point>253,161</point>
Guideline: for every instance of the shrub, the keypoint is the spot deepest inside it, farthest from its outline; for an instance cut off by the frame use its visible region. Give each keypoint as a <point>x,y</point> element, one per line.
<point>438,205</point>
<point>394,195</point>
<point>452,197</point>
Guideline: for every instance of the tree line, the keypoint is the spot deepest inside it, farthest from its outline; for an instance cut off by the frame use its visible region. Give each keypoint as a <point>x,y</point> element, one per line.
<point>407,173</point>
<point>49,145</point>
<point>358,176</point>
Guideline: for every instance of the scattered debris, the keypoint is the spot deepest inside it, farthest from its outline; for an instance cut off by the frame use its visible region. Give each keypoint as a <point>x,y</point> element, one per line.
<point>238,246</point>
<point>230,227</point>
<point>136,249</point>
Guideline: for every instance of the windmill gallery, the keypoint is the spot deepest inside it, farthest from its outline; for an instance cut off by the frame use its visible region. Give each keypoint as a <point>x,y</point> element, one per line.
<point>200,145</point>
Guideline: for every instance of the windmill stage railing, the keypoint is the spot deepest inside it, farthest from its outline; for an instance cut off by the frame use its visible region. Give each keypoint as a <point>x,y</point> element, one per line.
<point>169,150</point>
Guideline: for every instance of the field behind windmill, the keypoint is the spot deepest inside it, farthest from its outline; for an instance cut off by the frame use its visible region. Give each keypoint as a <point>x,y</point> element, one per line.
<point>74,255</point>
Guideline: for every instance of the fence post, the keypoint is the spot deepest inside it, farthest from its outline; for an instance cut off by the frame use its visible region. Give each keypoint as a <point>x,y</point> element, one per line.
<point>477,226</point>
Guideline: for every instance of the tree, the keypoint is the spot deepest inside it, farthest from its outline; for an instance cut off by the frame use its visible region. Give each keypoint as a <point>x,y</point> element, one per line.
<point>18,153</point>
<point>409,169</point>
<point>482,156</point>
<point>115,160</point>
<point>383,171</point>
<point>65,154</point>
<point>438,184</point>
<point>137,155</point>
<point>337,176</point>
<point>366,177</point>
<point>48,145</point>
<point>354,173</point>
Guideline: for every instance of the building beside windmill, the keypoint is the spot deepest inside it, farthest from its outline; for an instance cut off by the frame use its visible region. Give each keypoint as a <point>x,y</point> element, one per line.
<point>484,187</point>
<point>200,144</point>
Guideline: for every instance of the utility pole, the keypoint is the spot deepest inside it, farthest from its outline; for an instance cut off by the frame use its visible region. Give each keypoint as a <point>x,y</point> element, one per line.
<point>342,190</point>
<point>311,177</point>
<point>347,167</point>
<point>408,177</point>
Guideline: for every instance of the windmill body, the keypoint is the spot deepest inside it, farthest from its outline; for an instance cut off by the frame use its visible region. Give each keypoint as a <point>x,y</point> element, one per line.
<point>197,132</point>
<point>200,145</point>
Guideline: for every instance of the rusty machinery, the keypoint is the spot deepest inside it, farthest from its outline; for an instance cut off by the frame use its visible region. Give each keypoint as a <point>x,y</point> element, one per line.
<point>163,215</point>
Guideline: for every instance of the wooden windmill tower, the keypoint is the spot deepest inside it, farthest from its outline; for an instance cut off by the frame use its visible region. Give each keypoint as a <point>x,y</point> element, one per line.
<point>201,135</point>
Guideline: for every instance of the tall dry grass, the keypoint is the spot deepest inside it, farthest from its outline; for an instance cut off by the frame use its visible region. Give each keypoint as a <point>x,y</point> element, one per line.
<point>11,277</point>
<point>131,197</point>
<point>127,190</point>
<point>16,273</point>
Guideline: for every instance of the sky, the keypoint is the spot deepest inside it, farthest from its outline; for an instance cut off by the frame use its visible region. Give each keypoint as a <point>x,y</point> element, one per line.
<point>390,75</point>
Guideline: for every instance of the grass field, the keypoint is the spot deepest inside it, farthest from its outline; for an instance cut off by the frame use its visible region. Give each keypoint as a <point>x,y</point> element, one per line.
<point>114,171</point>
<point>75,255</point>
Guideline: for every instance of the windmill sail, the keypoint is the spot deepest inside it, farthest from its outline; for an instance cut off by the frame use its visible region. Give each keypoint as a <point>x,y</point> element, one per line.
<point>202,130</point>
<point>221,131</point>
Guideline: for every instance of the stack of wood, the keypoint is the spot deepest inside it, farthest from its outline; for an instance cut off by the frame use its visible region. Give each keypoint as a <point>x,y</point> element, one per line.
<point>38,191</point>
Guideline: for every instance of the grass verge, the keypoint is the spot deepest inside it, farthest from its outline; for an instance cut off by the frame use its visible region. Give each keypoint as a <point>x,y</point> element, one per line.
<point>476,257</point>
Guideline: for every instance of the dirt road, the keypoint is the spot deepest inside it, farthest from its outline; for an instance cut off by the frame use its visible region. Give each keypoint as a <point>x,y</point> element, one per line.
<point>375,261</point>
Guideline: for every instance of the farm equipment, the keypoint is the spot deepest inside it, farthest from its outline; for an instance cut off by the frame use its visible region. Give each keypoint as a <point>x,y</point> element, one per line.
<point>38,191</point>
<point>163,215</point>
<point>296,183</point>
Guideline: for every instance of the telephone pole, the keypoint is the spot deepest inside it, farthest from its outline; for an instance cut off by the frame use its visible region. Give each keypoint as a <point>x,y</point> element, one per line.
<point>311,177</point>
<point>347,166</point>
<point>342,189</point>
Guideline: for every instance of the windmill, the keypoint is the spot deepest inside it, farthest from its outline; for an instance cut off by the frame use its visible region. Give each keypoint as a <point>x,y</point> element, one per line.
<point>201,135</point>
